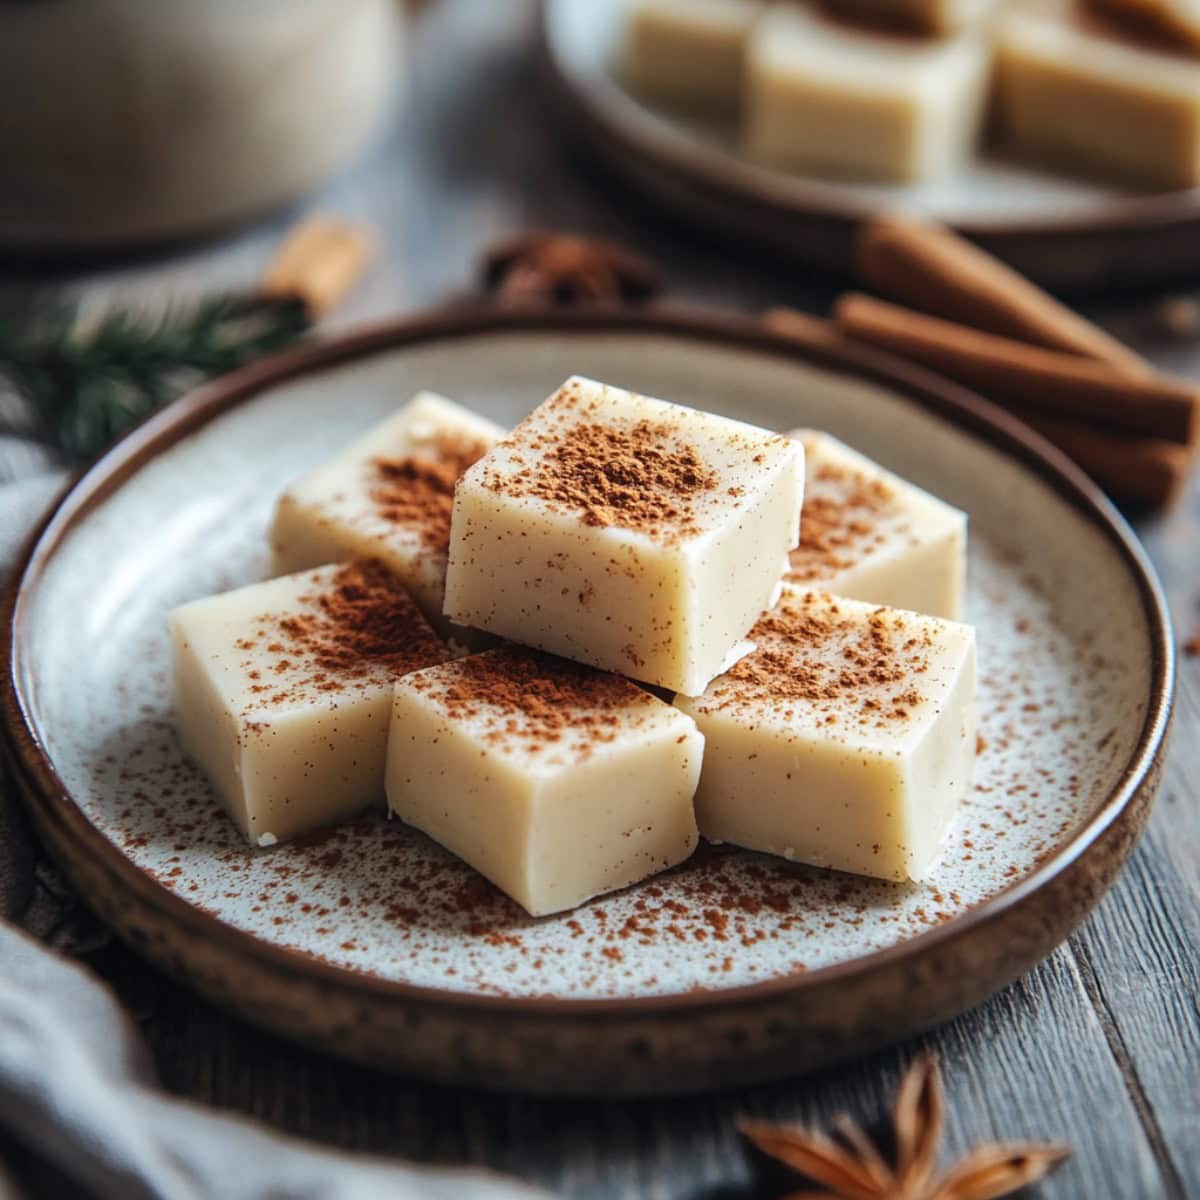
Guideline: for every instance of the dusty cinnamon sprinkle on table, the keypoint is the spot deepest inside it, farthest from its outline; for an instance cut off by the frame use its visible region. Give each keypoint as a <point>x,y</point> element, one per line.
<point>363,625</point>
<point>532,697</point>
<point>418,489</point>
<point>641,476</point>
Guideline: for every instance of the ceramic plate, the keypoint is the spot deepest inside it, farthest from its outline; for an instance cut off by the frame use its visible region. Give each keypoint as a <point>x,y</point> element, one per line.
<point>372,941</point>
<point>1067,231</point>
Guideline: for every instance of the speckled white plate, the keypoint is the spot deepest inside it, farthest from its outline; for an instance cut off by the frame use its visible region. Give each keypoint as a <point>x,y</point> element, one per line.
<point>1065,229</point>
<point>354,936</point>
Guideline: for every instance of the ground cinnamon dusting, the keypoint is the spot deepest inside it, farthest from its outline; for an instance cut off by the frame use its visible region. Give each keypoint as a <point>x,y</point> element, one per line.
<point>813,655</point>
<point>633,477</point>
<point>843,519</point>
<point>642,475</point>
<point>401,900</point>
<point>532,698</point>
<point>418,489</point>
<point>361,625</point>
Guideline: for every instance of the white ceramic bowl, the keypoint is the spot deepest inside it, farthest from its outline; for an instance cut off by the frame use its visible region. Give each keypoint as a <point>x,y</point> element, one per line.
<point>125,121</point>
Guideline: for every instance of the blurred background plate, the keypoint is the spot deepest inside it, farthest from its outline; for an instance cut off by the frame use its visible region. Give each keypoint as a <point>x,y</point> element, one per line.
<point>372,942</point>
<point>1067,232</point>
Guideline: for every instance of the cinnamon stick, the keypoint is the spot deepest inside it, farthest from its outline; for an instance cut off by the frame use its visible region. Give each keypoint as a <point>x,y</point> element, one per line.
<point>1015,373</point>
<point>1140,470</point>
<point>931,268</point>
<point>797,324</point>
<point>1143,471</point>
<point>318,262</point>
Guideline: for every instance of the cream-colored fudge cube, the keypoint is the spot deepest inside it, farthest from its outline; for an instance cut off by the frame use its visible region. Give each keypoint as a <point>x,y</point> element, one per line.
<point>868,534</point>
<point>387,496</point>
<point>625,532</point>
<point>845,740</point>
<point>930,16</point>
<point>688,52</point>
<point>837,98</point>
<point>1075,89</point>
<point>556,781</point>
<point>283,692</point>
<point>1176,20</point>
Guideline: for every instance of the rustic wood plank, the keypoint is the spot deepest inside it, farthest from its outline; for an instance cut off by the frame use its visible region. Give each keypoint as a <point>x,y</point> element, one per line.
<point>1140,953</point>
<point>1013,1068</point>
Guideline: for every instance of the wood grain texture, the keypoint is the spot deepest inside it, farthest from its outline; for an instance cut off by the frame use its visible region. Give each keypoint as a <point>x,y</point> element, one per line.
<point>1140,952</point>
<point>1012,1068</point>
<point>1099,1046</point>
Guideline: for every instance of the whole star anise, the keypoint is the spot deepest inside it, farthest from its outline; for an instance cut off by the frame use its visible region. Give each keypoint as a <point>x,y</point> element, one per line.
<point>559,268</point>
<point>849,1166</point>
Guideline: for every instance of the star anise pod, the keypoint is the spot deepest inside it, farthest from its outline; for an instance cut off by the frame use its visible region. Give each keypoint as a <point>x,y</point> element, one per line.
<point>849,1166</point>
<point>559,268</point>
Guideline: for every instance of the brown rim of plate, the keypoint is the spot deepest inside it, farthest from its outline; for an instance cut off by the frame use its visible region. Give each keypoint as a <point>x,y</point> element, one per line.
<point>210,400</point>
<point>602,111</point>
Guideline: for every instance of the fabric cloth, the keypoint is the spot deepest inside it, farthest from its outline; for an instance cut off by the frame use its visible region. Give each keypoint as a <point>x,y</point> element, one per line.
<point>77,1084</point>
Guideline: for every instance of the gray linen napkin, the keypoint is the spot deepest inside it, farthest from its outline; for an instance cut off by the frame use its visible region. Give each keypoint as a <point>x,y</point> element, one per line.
<point>76,1085</point>
<point>76,1081</point>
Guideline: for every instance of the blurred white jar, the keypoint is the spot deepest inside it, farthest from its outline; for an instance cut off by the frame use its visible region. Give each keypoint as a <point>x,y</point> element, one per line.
<point>131,120</point>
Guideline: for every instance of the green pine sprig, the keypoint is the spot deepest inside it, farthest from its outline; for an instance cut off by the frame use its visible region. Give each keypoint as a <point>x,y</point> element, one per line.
<point>80,383</point>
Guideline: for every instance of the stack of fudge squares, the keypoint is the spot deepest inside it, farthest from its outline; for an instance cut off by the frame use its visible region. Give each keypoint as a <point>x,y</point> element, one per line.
<point>566,652</point>
<point>901,91</point>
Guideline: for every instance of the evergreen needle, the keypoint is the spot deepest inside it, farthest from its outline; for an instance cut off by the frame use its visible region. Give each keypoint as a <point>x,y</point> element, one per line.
<point>81,383</point>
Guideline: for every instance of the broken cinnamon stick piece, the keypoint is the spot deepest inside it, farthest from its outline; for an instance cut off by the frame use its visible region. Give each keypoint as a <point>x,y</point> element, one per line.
<point>931,268</point>
<point>1012,372</point>
<point>1139,470</point>
<point>318,262</point>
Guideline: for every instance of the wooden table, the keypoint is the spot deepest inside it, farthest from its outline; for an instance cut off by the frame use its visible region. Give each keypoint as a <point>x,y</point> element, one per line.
<point>1099,1046</point>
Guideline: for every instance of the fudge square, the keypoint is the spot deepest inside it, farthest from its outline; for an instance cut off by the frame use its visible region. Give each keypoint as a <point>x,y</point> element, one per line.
<point>929,16</point>
<point>556,781</point>
<point>625,532</point>
<point>835,97</point>
<point>386,496</point>
<point>867,534</point>
<point>688,52</point>
<point>846,739</point>
<point>1122,103</point>
<point>283,692</point>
